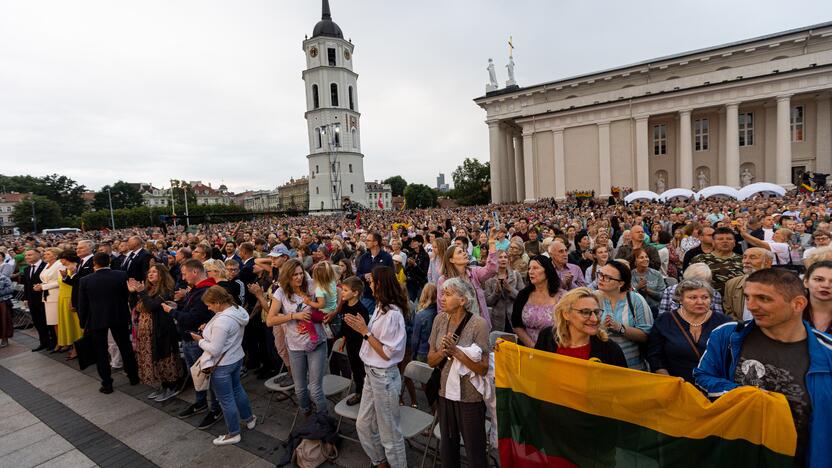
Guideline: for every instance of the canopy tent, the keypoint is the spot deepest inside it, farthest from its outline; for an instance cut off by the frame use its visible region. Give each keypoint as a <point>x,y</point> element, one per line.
<point>752,189</point>
<point>718,190</point>
<point>676,192</point>
<point>641,195</point>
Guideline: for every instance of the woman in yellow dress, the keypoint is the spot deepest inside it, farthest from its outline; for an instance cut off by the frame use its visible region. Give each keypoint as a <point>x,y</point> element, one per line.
<point>69,328</point>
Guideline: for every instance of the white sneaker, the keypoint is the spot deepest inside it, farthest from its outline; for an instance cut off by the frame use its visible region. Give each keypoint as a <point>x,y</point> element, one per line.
<point>154,394</point>
<point>251,422</point>
<point>227,440</point>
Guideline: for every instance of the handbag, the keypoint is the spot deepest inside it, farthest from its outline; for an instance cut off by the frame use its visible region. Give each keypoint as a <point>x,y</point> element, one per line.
<point>314,453</point>
<point>202,376</point>
<point>687,336</point>
<point>433,384</point>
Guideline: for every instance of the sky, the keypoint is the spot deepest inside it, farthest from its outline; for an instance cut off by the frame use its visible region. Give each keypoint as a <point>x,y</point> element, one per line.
<point>153,90</point>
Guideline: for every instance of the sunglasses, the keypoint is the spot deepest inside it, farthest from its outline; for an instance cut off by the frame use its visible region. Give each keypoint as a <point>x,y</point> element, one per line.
<point>586,313</point>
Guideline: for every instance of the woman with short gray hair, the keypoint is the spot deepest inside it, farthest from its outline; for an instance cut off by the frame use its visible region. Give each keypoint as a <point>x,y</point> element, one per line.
<point>459,347</point>
<point>678,338</point>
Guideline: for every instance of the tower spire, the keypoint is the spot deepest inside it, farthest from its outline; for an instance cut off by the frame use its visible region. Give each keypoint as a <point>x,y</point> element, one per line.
<point>326,15</point>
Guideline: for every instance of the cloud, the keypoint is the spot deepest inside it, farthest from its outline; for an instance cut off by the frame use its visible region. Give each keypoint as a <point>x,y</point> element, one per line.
<point>212,90</point>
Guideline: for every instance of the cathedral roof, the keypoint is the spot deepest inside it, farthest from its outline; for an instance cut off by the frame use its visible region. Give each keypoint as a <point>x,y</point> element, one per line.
<point>327,27</point>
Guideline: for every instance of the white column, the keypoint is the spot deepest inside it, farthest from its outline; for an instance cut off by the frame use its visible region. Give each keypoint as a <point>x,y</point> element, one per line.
<point>732,145</point>
<point>528,167</point>
<point>604,174</point>
<point>560,165</point>
<point>685,179</point>
<point>497,147</point>
<point>783,158</point>
<point>642,169</point>
<point>823,142</point>
<point>520,180</point>
<point>510,181</point>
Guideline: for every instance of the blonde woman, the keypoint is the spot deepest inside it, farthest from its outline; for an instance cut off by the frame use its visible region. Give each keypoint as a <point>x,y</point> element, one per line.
<point>50,279</point>
<point>577,331</point>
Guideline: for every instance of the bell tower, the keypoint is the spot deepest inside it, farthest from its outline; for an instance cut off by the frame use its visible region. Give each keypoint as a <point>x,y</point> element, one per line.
<point>336,165</point>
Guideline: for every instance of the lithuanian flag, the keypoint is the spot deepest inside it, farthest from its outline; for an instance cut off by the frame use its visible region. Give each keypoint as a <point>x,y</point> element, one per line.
<point>559,411</point>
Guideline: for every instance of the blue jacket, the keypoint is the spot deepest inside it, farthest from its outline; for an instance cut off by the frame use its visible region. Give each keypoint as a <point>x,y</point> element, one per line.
<point>422,326</point>
<point>715,375</point>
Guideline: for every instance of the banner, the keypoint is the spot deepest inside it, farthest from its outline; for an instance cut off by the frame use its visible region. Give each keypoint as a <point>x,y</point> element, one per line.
<point>558,411</point>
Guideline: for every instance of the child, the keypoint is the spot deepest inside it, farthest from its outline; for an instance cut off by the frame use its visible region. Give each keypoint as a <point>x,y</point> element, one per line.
<point>325,302</point>
<point>423,323</point>
<point>352,289</point>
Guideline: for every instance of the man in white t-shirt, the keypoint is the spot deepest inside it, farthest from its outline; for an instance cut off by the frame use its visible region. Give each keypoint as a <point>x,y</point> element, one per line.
<point>779,244</point>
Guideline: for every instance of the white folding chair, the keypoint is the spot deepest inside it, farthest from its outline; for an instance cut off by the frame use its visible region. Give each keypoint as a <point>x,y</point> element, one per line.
<point>282,392</point>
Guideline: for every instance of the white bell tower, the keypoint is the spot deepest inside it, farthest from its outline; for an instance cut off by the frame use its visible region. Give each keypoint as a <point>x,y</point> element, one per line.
<point>336,165</point>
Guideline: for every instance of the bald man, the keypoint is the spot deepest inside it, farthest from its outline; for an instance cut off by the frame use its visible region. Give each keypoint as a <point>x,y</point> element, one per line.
<point>733,302</point>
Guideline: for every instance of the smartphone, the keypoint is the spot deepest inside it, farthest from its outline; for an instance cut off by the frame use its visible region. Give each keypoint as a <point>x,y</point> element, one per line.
<point>455,338</point>
<point>496,216</point>
<point>172,304</point>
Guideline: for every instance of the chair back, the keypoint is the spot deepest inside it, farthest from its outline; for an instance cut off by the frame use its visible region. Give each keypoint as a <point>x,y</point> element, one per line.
<point>493,336</point>
<point>418,371</point>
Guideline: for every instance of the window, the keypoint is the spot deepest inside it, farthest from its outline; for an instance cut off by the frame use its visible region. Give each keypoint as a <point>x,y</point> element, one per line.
<point>336,129</point>
<point>333,167</point>
<point>330,53</point>
<point>352,103</point>
<point>700,135</point>
<point>318,138</point>
<point>317,190</point>
<point>659,140</point>
<point>797,123</point>
<point>316,103</point>
<point>333,94</point>
<point>350,168</point>
<point>351,189</point>
<point>322,205</point>
<point>746,126</point>
<point>317,169</point>
<point>334,190</point>
<point>354,138</point>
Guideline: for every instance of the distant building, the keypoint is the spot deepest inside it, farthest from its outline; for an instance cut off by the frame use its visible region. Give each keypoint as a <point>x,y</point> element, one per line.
<point>379,196</point>
<point>258,201</point>
<point>7,203</point>
<point>440,183</point>
<point>294,195</point>
<point>152,196</point>
<point>206,195</point>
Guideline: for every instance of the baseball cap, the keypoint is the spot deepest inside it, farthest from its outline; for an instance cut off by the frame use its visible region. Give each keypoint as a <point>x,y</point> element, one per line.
<point>279,250</point>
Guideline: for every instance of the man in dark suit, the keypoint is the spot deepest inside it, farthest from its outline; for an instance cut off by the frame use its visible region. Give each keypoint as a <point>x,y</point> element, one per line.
<point>34,298</point>
<point>84,250</point>
<point>102,307</point>
<point>137,261</point>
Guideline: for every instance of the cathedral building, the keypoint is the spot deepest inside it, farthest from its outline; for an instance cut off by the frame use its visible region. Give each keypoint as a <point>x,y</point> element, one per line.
<point>756,110</point>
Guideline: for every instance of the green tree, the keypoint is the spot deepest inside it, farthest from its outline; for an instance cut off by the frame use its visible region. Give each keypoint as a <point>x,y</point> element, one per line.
<point>47,214</point>
<point>65,191</point>
<point>419,196</point>
<point>397,184</point>
<point>124,196</point>
<point>472,183</point>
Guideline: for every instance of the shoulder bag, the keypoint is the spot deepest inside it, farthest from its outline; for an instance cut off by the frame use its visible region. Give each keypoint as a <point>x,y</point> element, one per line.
<point>433,385</point>
<point>687,335</point>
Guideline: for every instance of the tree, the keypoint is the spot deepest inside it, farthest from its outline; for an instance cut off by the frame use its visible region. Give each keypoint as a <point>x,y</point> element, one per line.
<point>124,196</point>
<point>397,184</point>
<point>47,213</point>
<point>472,183</point>
<point>419,196</point>
<point>65,191</point>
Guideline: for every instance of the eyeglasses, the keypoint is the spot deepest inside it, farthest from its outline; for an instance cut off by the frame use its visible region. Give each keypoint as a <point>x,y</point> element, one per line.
<point>586,313</point>
<point>605,277</point>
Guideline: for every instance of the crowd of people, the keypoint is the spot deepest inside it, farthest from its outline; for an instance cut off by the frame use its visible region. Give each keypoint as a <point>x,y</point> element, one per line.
<point>720,293</point>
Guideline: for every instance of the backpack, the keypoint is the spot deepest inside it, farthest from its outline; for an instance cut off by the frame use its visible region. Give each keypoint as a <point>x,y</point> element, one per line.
<point>314,453</point>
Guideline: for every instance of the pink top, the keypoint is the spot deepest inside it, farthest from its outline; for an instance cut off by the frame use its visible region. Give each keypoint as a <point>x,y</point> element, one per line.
<point>477,275</point>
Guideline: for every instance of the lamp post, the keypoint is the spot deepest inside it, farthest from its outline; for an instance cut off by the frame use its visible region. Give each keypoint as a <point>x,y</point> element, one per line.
<point>187,220</point>
<point>110,199</point>
<point>34,217</point>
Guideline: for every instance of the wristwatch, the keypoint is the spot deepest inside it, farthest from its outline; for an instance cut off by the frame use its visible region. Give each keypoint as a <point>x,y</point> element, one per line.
<point>367,336</point>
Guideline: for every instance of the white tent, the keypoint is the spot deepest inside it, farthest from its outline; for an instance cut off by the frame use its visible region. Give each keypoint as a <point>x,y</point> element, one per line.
<point>718,190</point>
<point>752,189</point>
<point>676,192</point>
<point>641,195</point>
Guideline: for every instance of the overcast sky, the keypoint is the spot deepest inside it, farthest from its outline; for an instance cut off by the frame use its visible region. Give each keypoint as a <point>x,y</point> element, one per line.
<point>211,90</point>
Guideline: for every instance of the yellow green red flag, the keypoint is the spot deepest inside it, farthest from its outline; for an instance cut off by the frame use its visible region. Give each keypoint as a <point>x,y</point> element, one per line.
<point>560,411</point>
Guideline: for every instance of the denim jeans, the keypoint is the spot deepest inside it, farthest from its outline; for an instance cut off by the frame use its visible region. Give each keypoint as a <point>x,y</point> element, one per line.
<point>225,382</point>
<point>378,417</point>
<point>312,363</point>
<point>192,352</point>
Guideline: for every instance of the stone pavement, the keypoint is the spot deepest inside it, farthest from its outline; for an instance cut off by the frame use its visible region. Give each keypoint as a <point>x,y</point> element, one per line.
<point>51,414</point>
